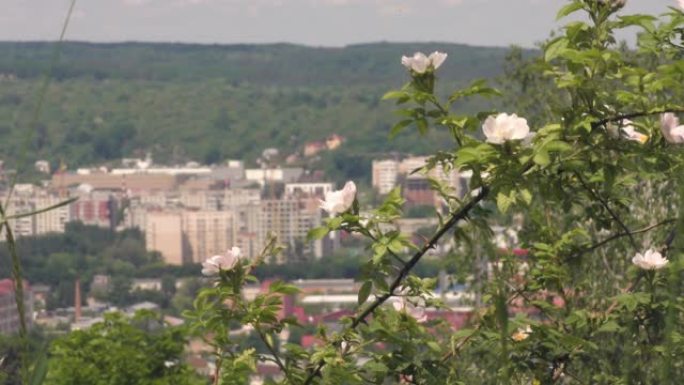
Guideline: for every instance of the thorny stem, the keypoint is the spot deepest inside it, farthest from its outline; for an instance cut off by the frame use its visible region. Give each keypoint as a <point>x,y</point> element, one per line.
<point>453,220</point>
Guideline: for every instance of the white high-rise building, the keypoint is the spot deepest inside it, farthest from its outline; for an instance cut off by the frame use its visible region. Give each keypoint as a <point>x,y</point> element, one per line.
<point>385,175</point>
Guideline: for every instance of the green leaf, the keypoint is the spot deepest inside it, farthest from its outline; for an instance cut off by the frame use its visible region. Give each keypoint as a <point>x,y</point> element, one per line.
<point>396,246</point>
<point>609,327</point>
<point>397,128</point>
<point>478,87</point>
<point>422,125</point>
<point>504,202</point>
<point>644,21</point>
<point>568,9</point>
<point>283,288</point>
<point>394,95</point>
<point>365,291</point>
<point>542,158</point>
<point>526,196</point>
<point>379,251</point>
<point>335,223</point>
<point>40,368</point>
<point>555,49</point>
<point>317,233</point>
<point>434,346</point>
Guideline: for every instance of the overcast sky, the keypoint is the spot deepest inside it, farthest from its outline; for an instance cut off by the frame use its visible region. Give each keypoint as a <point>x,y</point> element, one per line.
<point>310,22</point>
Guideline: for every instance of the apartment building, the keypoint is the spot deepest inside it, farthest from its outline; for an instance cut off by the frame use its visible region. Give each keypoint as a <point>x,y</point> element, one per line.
<point>268,175</point>
<point>290,220</point>
<point>416,185</point>
<point>96,208</point>
<point>385,175</point>
<point>164,233</point>
<point>27,199</point>
<point>52,221</point>
<point>206,233</point>
<point>308,190</point>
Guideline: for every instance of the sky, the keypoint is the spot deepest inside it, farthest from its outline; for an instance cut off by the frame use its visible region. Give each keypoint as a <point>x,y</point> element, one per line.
<point>309,22</point>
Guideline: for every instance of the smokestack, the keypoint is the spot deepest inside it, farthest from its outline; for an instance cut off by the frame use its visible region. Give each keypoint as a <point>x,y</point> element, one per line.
<point>77,300</point>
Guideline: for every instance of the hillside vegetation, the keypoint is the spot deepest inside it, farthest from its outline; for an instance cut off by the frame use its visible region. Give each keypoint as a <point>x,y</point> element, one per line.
<point>211,103</point>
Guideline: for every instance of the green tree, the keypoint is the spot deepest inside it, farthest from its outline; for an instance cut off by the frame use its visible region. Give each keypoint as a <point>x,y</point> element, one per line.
<point>119,351</point>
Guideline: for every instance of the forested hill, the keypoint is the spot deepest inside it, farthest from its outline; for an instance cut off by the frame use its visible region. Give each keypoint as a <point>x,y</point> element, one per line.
<point>213,102</point>
<point>270,65</point>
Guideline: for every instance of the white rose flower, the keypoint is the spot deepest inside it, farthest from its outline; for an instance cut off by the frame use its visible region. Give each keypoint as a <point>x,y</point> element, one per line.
<point>437,58</point>
<point>669,125</point>
<point>215,264</point>
<point>681,4</point>
<point>404,306</point>
<point>503,127</point>
<point>628,132</point>
<point>650,260</point>
<point>337,202</point>
<point>419,63</point>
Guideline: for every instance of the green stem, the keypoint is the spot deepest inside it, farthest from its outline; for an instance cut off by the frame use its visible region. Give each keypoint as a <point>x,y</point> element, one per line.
<point>17,276</point>
<point>41,100</point>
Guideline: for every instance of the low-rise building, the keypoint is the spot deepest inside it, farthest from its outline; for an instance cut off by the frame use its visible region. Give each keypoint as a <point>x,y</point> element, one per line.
<point>9,315</point>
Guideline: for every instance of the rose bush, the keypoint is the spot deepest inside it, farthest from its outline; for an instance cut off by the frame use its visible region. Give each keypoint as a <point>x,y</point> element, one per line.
<point>597,183</point>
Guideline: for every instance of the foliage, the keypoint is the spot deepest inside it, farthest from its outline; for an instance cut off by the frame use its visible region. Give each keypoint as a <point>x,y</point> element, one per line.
<point>139,351</point>
<point>181,102</point>
<point>11,352</point>
<point>83,252</point>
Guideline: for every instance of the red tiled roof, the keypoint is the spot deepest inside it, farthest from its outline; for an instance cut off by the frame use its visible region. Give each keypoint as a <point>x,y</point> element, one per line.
<point>7,286</point>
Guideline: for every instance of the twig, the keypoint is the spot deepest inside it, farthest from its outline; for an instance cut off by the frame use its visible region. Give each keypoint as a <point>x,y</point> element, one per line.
<point>612,213</point>
<point>633,115</point>
<point>271,349</point>
<point>620,235</point>
<point>453,220</point>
